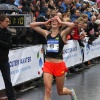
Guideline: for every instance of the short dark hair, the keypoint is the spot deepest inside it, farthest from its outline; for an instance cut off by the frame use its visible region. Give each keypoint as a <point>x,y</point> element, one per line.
<point>3,17</point>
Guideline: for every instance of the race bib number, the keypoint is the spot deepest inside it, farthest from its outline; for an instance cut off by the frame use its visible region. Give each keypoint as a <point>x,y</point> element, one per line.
<point>52,45</point>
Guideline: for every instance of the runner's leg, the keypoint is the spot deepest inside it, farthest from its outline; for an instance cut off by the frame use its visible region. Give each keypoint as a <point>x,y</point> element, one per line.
<point>60,86</point>
<point>48,78</point>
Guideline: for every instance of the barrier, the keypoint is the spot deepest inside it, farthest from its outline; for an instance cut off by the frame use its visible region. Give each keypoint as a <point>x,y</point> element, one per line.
<point>92,51</point>
<point>26,63</point>
<point>72,53</point>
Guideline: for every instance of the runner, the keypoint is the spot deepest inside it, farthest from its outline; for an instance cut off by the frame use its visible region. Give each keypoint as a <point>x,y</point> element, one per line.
<point>54,64</point>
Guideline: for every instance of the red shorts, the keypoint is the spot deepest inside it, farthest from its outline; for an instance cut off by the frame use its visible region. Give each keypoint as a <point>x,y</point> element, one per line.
<point>56,69</point>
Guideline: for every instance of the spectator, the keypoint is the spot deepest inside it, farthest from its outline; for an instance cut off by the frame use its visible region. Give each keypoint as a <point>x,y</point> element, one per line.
<point>85,17</point>
<point>65,5</point>
<point>5,45</point>
<point>64,15</point>
<point>53,12</point>
<point>51,4</point>
<point>68,37</point>
<point>60,15</point>
<point>92,25</point>
<point>98,18</point>
<point>78,4</point>
<point>18,4</point>
<point>88,12</point>
<point>76,35</point>
<point>72,8</point>
<point>43,11</point>
<point>76,15</point>
<point>48,15</point>
<point>83,7</point>
<point>34,9</point>
<point>25,8</point>
<point>59,6</point>
<point>92,29</point>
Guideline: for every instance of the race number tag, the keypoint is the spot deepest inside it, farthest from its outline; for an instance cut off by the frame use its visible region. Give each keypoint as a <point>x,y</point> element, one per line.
<point>52,45</point>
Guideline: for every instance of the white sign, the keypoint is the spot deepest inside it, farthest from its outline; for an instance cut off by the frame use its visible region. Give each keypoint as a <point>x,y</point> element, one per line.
<point>72,53</point>
<point>92,51</point>
<point>26,64</point>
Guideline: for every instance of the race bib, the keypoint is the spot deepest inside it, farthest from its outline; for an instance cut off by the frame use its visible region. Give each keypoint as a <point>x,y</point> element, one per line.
<point>52,45</point>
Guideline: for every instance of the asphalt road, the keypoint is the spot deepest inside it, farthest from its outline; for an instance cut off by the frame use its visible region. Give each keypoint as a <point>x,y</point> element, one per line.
<point>86,83</point>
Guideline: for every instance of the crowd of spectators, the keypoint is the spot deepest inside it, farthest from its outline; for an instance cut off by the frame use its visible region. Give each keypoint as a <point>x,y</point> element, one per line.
<point>85,15</point>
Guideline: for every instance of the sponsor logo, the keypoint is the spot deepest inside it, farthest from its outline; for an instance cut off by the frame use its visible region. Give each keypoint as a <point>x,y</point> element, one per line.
<point>62,72</point>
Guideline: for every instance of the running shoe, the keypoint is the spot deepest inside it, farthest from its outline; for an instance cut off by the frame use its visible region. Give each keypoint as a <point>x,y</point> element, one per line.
<point>73,95</point>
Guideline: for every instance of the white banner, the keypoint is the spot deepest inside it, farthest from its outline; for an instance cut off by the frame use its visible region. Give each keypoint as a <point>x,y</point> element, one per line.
<point>72,53</point>
<point>92,51</point>
<point>26,64</point>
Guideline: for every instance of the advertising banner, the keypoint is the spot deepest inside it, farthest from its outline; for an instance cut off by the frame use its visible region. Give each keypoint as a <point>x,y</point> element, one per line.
<point>92,51</point>
<point>72,53</point>
<point>26,64</point>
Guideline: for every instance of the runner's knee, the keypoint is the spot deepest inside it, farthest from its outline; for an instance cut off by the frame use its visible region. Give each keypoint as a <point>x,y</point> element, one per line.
<point>48,91</point>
